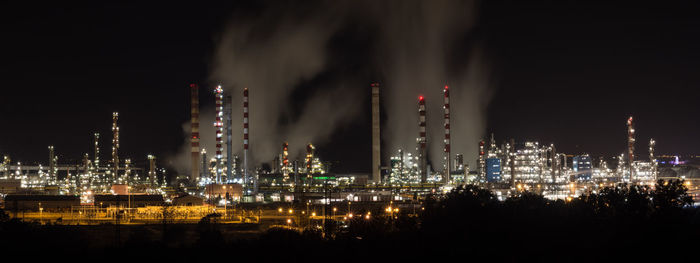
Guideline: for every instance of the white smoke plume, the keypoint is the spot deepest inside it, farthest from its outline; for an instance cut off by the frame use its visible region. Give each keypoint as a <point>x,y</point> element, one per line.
<point>414,46</point>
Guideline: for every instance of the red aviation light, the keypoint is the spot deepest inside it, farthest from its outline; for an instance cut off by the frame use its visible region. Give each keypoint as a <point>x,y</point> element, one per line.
<point>446,87</point>
<point>420,98</point>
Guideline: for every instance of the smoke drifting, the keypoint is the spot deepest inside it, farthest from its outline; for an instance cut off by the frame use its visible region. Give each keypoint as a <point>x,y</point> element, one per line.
<point>415,47</point>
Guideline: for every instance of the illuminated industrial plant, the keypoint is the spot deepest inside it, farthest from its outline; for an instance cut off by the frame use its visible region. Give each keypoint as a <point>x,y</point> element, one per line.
<point>506,168</point>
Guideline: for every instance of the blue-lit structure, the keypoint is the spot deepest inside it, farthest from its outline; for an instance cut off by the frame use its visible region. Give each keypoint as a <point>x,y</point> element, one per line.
<point>493,170</point>
<point>583,167</point>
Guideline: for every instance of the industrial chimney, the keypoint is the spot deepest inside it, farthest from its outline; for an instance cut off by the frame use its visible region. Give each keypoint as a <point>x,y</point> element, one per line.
<point>229,140</point>
<point>194,130</point>
<point>422,155</point>
<point>446,178</point>
<point>245,136</point>
<point>376,133</point>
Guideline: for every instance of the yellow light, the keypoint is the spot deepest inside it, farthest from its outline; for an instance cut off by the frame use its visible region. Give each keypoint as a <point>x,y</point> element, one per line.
<point>335,209</point>
<point>313,214</point>
<point>280,210</point>
<point>350,215</point>
<point>291,211</point>
<point>367,216</point>
<point>289,221</point>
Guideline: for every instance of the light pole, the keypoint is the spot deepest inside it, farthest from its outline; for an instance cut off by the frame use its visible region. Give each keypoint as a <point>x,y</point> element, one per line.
<point>41,213</point>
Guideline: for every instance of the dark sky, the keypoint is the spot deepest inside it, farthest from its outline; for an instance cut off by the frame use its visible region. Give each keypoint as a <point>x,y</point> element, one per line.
<point>567,72</point>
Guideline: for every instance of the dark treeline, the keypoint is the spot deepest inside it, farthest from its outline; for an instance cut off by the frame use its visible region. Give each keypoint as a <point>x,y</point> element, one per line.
<point>623,223</point>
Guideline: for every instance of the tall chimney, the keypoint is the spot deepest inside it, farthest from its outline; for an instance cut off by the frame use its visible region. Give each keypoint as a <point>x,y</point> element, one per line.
<point>229,142</point>
<point>115,145</point>
<point>422,140</point>
<point>630,145</point>
<point>376,133</point>
<point>219,125</point>
<point>446,177</point>
<point>194,130</point>
<point>245,136</point>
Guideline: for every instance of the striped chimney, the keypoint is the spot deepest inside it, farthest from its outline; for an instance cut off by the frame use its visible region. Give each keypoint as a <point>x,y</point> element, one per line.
<point>245,136</point>
<point>446,178</point>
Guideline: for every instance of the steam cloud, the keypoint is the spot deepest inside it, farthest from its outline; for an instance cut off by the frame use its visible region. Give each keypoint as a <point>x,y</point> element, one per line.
<point>416,47</point>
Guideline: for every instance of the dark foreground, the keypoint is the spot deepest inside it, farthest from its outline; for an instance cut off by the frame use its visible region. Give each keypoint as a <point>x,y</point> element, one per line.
<point>623,224</point>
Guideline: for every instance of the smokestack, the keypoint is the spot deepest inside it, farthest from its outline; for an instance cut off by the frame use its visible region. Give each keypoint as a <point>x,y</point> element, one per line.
<point>194,128</point>
<point>219,125</point>
<point>229,140</point>
<point>115,145</point>
<point>422,140</point>
<point>245,136</point>
<point>630,144</point>
<point>152,169</point>
<point>376,133</point>
<point>448,159</point>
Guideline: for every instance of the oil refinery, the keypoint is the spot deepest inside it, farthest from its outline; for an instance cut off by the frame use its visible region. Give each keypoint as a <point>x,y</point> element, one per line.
<point>506,168</point>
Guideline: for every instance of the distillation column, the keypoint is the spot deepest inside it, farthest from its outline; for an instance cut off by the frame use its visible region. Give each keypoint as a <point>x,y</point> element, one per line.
<point>219,126</point>
<point>630,145</point>
<point>115,146</point>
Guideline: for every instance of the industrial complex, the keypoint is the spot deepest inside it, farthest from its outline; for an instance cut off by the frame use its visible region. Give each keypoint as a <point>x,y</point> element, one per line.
<point>103,187</point>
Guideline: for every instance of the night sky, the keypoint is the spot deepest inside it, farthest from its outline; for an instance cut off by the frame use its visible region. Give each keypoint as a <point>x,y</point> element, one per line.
<point>564,72</point>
